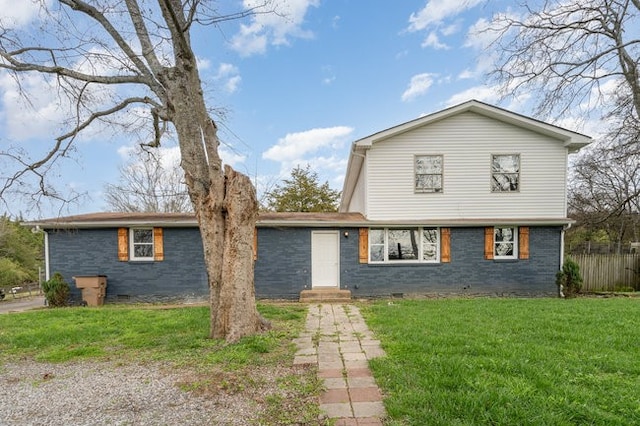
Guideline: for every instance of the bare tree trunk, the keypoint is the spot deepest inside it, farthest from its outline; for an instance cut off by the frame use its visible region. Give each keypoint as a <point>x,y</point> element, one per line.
<point>226,208</point>
<point>234,312</point>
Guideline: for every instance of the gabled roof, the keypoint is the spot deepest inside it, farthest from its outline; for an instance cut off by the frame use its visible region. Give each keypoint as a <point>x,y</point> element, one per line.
<point>573,141</point>
<point>188,220</point>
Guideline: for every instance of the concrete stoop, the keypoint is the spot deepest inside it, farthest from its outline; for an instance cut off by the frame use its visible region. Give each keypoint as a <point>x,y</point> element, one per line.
<point>325,295</point>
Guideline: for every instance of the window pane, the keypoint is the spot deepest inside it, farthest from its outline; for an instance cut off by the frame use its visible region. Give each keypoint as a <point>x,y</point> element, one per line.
<point>505,172</point>
<point>429,182</point>
<point>504,182</point>
<point>143,250</point>
<point>430,244</point>
<point>377,253</point>
<point>403,244</point>
<point>429,164</point>
<point>142,236</point>
<point>506,163</point>
<point>504,241</point>
<point>376,236</point>
<point>428,173</point>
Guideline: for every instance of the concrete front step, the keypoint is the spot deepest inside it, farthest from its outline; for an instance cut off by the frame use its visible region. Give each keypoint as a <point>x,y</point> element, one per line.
<point>325,295</point>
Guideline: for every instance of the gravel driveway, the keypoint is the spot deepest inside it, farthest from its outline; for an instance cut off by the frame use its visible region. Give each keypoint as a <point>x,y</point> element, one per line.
<point>100,393</point>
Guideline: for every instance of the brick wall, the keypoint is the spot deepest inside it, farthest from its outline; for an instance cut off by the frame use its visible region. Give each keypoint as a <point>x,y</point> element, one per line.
<point>181,276</point>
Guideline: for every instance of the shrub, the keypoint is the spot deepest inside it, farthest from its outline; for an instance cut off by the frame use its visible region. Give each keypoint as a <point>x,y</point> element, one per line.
<point>56,290</point>
<point>569,280</point>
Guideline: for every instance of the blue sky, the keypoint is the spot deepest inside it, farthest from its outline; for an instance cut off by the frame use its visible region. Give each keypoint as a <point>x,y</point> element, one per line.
<point>298,89</point>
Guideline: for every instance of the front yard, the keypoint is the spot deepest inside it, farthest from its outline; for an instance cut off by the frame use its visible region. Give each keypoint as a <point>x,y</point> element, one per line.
<point>449,361</point>
<point>509,361</point>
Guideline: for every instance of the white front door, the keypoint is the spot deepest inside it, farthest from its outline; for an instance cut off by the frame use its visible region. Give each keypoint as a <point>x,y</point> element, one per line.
<point>325,259</point>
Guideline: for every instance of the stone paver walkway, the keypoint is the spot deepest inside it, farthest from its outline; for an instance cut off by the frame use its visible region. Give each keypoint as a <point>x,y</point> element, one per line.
<point>339,342</point>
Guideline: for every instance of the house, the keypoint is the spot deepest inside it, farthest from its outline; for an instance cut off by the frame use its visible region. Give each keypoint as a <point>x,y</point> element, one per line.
<point>468,200</point>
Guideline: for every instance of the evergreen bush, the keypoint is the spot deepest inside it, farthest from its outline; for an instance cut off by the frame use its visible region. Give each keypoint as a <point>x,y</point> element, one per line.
<point>569,280</point>
<point>56,290</point>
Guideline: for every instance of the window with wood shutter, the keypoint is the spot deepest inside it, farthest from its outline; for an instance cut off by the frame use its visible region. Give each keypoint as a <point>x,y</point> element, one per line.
<point>506,242</point>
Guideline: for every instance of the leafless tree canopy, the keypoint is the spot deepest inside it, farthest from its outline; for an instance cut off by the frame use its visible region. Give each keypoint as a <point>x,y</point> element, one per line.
<point>149,182</point>
<point>604,192</point>
<point>132,62</point>
<point>574,55</point>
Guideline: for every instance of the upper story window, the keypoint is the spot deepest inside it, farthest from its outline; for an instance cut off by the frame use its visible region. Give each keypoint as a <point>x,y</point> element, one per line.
<point>505,173</point>
<point>505,242</point>
<point>428,173</point>
<point>141,243</point>
<point>404,245</point>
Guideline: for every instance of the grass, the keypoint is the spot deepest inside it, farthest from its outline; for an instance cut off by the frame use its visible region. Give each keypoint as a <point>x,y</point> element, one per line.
<point>177,337</point>
<point>509,361</point>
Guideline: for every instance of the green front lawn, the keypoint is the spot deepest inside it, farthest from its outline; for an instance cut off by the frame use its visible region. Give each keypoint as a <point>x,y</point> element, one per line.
<point>509,361</point>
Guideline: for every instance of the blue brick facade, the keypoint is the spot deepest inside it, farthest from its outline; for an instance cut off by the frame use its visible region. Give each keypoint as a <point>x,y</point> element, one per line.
<point>180,276</point>
<point>283,266</point>
<point>467,273</point>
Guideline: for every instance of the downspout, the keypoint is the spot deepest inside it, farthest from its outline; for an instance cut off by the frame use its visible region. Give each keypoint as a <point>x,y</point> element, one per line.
<point>564,229</point>
<point>47,275</point>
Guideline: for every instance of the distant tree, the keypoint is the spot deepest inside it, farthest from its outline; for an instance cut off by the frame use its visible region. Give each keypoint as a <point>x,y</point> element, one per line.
<point>149,182</point>
<point>604,193</point>
<point>303,193</point>
<point>574,54</point>
<point>20,253</point>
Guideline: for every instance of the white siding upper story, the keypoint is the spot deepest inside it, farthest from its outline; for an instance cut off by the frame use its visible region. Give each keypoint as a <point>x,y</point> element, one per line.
<point>466,136</point>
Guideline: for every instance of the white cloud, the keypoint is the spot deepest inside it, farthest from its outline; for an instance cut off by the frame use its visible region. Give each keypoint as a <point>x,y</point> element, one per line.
<point>418,86</point>
<point>203,64</point>
<point>231,158</point>
<point>39,116</point>
<point>294,146</point>
<point>488,94</point>
<point>229,76</point>
<point>432,40</point>
<point>19,13</point>
<point>435,11</point>
<point>273,28</point>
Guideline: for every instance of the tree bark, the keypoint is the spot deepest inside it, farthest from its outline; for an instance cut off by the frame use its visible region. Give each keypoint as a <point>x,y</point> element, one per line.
<point>225,206</point>
<point>234,311</point>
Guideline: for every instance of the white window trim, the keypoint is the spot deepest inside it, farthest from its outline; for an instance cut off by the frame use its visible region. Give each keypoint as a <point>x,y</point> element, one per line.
<point>415,174</point>
<point>515,242</point>
<point>420,259</point>
<point>132,252</point>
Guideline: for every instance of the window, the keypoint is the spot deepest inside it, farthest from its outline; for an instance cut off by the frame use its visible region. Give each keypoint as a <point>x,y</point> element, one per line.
<point>505,173</point>
<point>428,173</point>
<point>141,243</point>
<point>404,245</point>
<point>505,242</point>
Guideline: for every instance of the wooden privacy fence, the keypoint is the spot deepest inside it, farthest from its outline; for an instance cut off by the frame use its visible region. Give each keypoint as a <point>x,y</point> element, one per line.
<point>609,272</point>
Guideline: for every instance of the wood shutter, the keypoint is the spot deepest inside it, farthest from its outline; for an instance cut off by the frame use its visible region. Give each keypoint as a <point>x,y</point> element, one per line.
<point>255,244</point>
<point>523,242</point>
<point>158,247</point>
<point>123,244</point>
<point>445,245</point>
<point>488,242</point>
<point>363,245</point>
